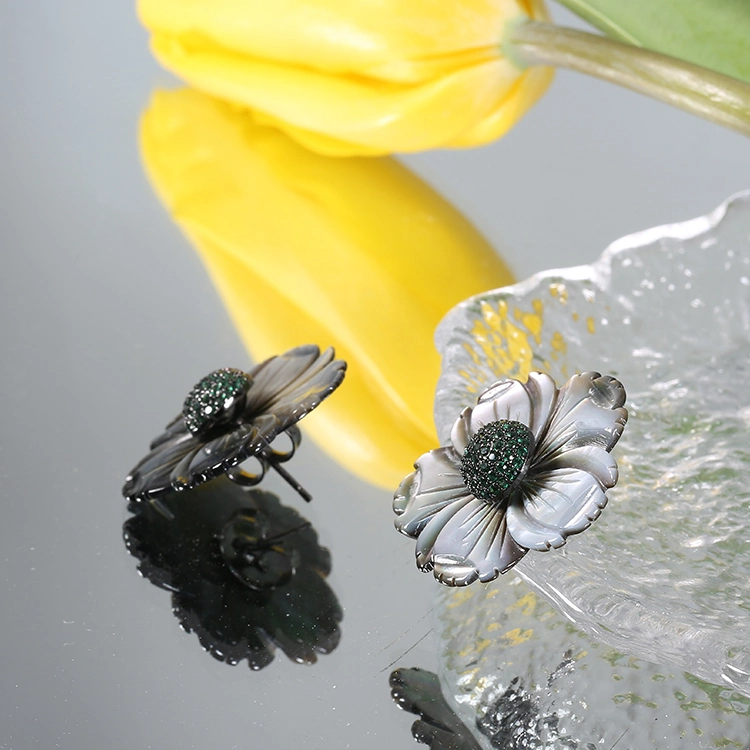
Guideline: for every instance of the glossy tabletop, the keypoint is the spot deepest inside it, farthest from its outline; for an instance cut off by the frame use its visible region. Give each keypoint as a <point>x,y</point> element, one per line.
<point>108,318</point>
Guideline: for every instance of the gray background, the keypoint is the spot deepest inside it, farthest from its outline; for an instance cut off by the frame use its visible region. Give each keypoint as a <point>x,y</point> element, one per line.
<point>107,320</point>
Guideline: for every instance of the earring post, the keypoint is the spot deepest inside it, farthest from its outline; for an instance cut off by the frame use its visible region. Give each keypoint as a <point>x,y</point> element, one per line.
<point>287,477</point>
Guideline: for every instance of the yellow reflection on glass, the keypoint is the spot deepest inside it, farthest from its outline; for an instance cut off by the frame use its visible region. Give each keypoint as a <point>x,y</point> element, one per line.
<point>356,252</point>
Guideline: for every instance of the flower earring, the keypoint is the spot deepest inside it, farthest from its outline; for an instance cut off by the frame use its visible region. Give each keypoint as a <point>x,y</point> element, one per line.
<point>231,415</point>
<point>528,466</point>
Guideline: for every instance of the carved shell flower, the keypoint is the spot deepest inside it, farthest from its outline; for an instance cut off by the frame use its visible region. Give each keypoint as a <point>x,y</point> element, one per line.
<point>528,466</point>
<point>231,415</point>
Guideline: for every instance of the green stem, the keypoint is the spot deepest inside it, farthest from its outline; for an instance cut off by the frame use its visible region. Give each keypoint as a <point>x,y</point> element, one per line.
<point>703,92</point>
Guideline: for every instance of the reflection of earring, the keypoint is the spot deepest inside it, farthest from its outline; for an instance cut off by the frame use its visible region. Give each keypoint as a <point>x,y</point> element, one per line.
<point>230,416</point>
<point>258,554</point>
<point>528,466</point>
<point>246,573</point>
<point>513,719</point>
<point>418,691</point>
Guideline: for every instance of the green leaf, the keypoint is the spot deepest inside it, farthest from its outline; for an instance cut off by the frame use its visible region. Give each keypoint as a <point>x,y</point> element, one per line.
<point>711,33</point>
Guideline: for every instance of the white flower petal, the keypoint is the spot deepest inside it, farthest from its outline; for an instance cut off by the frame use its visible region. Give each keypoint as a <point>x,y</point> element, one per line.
<point>467,541</point>
<point>507,399</point>
<point>591,458</point>
<point>436,483</point>
<point>460,431</point>
<point>552,505</point>
<point>529,403</point>
<point>543,393</point>
<point>588,411</point>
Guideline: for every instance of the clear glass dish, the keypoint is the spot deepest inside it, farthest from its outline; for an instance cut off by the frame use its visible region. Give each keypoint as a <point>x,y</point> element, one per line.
<point>664,574</point>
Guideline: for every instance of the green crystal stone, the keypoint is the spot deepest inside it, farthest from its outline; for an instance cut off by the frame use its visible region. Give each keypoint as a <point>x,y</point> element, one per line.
<point>496,459</point>
<point>212,399</point>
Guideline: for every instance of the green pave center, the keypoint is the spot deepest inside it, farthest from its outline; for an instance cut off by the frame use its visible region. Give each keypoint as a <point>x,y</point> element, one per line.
<point>496,459</point>
<point>213,397</point>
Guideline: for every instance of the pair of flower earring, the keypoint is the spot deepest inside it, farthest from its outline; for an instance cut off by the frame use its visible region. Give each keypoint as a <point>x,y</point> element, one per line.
<point>230,416</point>
<point>527,466</point>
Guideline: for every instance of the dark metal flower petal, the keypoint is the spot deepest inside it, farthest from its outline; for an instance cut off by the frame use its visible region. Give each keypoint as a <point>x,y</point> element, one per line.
<point>217,456</point>
<point>151,477</point>
<point>293,384</point>
<point>175,429</point>
<point>290,406</point>
<point>243,423</point>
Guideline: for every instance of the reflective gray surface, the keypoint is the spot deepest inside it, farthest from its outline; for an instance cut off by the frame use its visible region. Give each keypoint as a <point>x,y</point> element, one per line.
<point>107,321</point>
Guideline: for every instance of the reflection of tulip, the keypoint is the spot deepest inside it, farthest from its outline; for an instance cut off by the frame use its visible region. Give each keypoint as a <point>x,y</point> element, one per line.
<point>353,76</point>
<point>356,252</point>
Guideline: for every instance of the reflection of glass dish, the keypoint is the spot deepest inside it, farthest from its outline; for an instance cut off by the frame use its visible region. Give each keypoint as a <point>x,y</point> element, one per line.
<point>664,574</point>
<point>241,601</point>
<point>418,691</point>
<point>514,669</point>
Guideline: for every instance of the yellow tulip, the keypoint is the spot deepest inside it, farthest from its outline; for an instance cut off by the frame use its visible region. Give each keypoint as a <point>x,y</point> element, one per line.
<point>362,77</point>
<point>354,252</point>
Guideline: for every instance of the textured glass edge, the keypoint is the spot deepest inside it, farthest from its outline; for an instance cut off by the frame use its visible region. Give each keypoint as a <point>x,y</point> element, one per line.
<point>450,332</point>
<point>452,395</point>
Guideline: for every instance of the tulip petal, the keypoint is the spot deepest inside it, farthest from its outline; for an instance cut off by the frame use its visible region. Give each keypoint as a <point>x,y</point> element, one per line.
<point>389,39</point>
<point>356,78</point>
<point>354,114</point>
<point>553,505</point>
<point>589,411</point>
<point>435,484</point>
<point>528,89</point>
<point>467,541</point>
